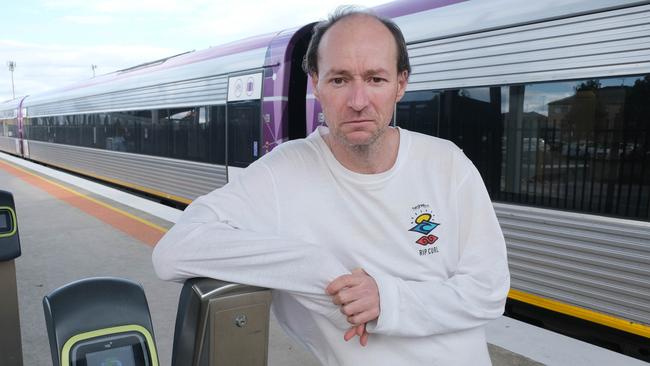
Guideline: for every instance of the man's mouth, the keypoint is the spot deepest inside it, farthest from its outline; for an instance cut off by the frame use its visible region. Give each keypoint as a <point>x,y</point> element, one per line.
<point>358,121</point>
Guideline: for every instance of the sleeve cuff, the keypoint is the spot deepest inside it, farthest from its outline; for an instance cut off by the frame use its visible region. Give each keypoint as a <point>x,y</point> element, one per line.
<point>388,305</point>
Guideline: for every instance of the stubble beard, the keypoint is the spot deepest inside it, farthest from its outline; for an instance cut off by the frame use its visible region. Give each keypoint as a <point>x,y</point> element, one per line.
<point>363,148</point>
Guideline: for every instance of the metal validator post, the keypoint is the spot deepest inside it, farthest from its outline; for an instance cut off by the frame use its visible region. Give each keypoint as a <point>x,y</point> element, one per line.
<point>11,353</point>
<point>221,324</point>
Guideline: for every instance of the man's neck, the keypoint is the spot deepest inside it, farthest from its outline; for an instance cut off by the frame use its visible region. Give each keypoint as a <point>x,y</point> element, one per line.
<point>375,158</point>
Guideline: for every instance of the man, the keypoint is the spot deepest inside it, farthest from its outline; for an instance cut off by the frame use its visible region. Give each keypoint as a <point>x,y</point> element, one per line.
<point>363,229</point>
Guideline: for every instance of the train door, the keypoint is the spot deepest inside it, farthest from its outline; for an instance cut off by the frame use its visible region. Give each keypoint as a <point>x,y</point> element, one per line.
<point>298,84</point>
<point>243,133</point>
<point>243,115</point>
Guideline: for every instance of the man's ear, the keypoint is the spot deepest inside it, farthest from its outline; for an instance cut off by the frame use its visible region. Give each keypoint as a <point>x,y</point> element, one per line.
<point>402,81</point>
<point>314,84</point>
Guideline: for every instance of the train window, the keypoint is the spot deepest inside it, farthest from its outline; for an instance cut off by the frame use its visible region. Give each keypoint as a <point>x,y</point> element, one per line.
<point>577,145</point>
<point>180,121</point>
<point>472,119</point>
<point>243,132</point>
<point>9,128</point>
<point>117,136</point>
<point>581,145</point>
<point>217,134</point>
<point>197,136</point>
<point>418,111</point>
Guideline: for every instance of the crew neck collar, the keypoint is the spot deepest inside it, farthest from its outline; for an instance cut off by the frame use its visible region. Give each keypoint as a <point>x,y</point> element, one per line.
<point>339,169</point>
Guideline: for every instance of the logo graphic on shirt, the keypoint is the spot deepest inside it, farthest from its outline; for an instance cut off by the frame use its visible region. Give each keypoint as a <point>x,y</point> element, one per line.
<point>424,225</point>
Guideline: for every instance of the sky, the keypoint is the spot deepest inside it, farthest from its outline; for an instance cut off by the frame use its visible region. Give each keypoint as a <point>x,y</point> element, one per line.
<point>54,42</point>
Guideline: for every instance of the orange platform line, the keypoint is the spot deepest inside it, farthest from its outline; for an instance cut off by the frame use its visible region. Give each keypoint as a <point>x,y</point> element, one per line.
<point>137,229</point>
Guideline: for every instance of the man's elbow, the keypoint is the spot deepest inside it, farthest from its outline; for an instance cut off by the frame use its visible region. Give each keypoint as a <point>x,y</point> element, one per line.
<point>500,295</point>
<point>163,264</point>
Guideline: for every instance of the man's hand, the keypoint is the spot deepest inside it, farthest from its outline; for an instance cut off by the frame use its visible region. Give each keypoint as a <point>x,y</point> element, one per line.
<point>358,295</point>
<point>358,330</point>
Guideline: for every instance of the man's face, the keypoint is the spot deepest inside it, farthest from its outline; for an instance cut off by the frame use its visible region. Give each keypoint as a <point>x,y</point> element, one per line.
<point>357,82</point>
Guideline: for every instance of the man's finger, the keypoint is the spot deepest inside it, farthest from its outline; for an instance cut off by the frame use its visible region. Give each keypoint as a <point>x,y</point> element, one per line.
<point>364,337</point>
<point>363,317</point>
<point>361,329</point>
<point>340,283</point>
<point>350,333</point>
<point>351,306</point>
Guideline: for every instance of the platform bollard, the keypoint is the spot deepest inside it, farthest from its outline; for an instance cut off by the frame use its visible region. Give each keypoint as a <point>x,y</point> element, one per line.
<point>221,324</point>
<point>11,353</point>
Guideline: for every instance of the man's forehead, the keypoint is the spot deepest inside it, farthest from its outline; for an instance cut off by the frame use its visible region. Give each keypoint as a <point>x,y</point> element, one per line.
<point>357,23</point>
<point>358,34</point>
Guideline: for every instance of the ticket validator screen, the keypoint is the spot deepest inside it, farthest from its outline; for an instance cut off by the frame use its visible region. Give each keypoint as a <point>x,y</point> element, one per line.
<point>126,349</point>
<point>5,221</point>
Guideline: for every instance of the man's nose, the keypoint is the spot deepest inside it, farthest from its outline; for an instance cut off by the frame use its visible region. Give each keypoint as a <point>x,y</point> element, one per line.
<point>358,99</point>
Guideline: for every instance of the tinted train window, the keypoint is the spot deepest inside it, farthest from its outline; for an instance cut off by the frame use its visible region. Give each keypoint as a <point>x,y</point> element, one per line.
<point>217,134</point>
<point>418,111</point>
<point>196,133</point>
<point>193,133</point>
<point>577,145</point>
<point>472,119</point>
<point>583,145</point>
<point>243,132</point>
<point>180,122</point>
<point>119,132</point>
<point>9,127</point>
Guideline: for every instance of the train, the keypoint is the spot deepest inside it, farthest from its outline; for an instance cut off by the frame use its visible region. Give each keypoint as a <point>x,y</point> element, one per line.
<point>548,99</point>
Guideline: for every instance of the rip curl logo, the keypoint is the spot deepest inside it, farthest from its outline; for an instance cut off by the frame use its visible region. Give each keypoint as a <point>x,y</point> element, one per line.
<point>424,225</point>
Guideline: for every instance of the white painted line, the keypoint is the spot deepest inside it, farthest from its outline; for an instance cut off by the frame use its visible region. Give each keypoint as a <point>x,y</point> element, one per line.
<point>156,209</point>
<point>551,348</point>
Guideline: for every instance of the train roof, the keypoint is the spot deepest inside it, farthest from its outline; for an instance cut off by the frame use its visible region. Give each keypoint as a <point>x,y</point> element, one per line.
<point>422,20</point>
<point>505,42</point>
<point>9,108</point>
<point>244,54</point>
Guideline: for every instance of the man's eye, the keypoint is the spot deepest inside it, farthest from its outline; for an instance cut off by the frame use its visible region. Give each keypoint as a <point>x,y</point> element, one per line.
<point>376,79</point>
<point>337,81</point>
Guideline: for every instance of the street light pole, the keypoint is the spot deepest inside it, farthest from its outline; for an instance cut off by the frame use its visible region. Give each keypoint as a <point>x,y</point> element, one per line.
<point>12,66</point>
<point>94,67</point>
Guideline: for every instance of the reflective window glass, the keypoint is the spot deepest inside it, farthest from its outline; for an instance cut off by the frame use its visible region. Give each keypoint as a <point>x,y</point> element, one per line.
<point>243,132</point>
<point>418,111</point>
<point>577,145</point>
<point>217,133</point>
<point>9,127</point>
<point>583,146</point>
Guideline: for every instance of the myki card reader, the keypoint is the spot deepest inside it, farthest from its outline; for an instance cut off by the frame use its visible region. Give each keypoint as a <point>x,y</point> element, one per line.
<point>10,341</point>
<point>9,240</point>
<point>100,322</point>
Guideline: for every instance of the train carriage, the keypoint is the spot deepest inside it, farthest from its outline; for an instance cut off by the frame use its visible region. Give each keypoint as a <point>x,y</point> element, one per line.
<point>548,99</point>
<point>550,103</point>
<point>10,117</point>
<point>175,128</point>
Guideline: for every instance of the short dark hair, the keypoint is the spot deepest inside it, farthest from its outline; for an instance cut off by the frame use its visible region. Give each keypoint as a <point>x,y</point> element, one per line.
<point>310,61</point>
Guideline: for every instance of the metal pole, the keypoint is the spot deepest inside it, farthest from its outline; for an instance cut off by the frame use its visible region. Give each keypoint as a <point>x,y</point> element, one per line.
<point>94,67</point>
<point>11,353</point>
<point>12,66</point>
<point>221,324</point>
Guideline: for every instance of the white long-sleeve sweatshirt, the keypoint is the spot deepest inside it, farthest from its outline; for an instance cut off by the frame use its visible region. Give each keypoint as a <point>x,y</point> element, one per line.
<point>296,219</point>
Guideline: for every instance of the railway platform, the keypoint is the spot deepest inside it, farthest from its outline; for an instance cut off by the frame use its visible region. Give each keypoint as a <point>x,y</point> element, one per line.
<point>72,228</point>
